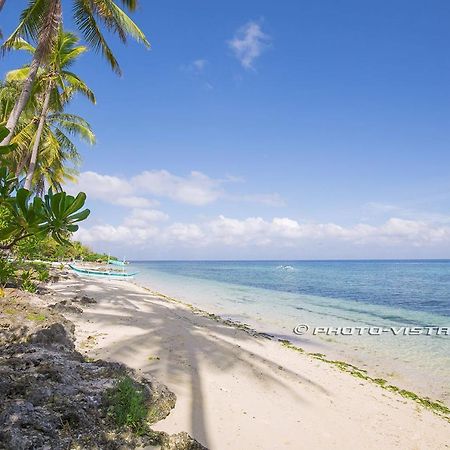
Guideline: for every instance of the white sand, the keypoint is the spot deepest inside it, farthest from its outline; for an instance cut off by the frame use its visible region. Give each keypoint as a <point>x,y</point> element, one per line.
<point>236,391</point>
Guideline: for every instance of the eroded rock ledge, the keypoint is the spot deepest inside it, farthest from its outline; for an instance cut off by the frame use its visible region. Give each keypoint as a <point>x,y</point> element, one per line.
<point>52,397</point>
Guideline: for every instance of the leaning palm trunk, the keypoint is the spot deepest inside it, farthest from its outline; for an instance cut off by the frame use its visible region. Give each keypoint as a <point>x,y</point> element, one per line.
<point>2,2</point>
<point>37,139</point>
<point>46,40</point>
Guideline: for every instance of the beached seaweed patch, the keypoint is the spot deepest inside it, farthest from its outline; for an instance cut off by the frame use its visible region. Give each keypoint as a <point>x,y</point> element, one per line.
<point>289,344</point>
<point>434,405</point>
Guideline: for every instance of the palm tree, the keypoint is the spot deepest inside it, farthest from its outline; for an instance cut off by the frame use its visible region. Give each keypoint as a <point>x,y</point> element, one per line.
<point>57,83</point>
<point>58,155</point>
<point>40,22</point>
<point>9,93</point>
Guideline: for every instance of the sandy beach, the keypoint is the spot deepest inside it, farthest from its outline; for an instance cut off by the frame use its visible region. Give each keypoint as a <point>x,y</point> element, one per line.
<point>238,390</point>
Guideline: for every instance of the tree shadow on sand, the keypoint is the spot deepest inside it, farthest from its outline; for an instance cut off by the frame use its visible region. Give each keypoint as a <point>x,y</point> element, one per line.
<point>194,340</point>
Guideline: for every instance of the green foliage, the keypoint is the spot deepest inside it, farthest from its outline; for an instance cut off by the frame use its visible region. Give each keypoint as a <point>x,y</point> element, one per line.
<point>5,148</point>
<point>36,317</point>
<point>56,216</point>
<point>26,281</point>
<point>7,272</point>
<point>56,157</point>
<point>26,275</point>
<point>127,405</point>
<point>87,16</point>
<point>47,249</point>
<point>43,275</point>
<point>24,215</point>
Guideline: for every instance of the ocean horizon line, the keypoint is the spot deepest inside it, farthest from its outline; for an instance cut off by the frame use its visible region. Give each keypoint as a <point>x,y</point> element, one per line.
<point>298,260</point>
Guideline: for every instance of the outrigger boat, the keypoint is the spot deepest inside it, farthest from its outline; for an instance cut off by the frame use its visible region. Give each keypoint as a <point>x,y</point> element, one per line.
<point>101,273</point>
<point>116,262</point>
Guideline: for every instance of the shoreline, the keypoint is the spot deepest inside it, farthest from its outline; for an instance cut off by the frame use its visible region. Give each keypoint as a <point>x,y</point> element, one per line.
<point>216,367</point>
<point>437,406</point>
<point>408,362</point>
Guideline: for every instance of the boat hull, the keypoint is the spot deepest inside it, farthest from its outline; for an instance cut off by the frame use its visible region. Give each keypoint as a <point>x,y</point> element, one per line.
<point>99,273</point>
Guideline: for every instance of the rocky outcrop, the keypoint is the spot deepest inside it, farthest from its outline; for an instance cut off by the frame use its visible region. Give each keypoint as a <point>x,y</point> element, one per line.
<point>52,397</point>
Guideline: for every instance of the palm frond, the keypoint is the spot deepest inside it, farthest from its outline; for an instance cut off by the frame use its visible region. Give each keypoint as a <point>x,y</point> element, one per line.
<point>121,22</point>
<point>22,44</point>
<point>85,20</point>
<point>130,4</point>
<point>19,75</point>
<point>76,84</point>
<point>29,25</point>
<point>74,125</point>
<point>68,146</point>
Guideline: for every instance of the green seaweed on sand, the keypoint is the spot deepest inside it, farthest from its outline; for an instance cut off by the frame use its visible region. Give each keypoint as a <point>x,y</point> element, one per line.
<point>288,344</point>
<point>434,405</point>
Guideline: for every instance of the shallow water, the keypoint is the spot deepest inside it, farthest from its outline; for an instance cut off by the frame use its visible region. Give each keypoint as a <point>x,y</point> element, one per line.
<point>276,296</point>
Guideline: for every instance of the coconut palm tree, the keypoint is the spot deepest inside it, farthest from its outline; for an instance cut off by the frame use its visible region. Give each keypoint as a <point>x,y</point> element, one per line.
<point>40,22</point>
<point>58,155</point>
<point>56,82</point>
<point>9,93</point>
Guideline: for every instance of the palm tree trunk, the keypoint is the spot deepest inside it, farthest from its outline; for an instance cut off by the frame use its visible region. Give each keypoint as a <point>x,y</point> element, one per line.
<point>22,100</point>
<point>37,139</point>
<point>46,38</point>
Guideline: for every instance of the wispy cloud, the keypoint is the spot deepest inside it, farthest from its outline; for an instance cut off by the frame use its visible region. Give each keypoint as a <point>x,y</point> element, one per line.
<point>139,191</point>
<point>263,199</point>
<point>195,67</point>
<point>248,43</point>
<point>195,189</point>
<point>110,189</point>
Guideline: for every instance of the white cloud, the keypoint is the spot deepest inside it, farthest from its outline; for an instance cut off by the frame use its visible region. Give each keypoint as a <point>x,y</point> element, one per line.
<point>196,189</point>
<point>185,232</point>
<point>133,201</point>
<point>248,43</point>
<point>110,189</point>
<point>102,187</point>
<point>280,232</point>
<point>123,234</point>
<point>142,217</point>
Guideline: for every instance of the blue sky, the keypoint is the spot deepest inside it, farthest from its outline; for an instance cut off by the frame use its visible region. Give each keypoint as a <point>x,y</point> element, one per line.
<point>264,130</point>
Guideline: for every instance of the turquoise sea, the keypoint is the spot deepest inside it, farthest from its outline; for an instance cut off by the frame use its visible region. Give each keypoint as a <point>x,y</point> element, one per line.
<point>276,296</point>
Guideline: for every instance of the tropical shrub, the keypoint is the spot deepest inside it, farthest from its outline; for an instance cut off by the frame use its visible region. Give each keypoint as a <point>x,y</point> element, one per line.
<point>25,217</point>
<point>128,406</point>
<point>56,215</point>
<point>7,272</point>
<point>26,281</point>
